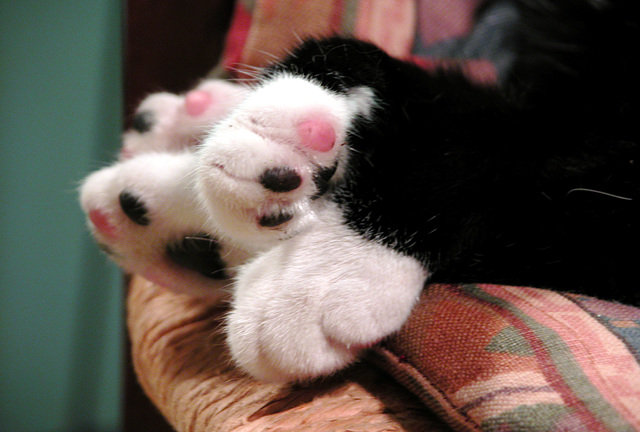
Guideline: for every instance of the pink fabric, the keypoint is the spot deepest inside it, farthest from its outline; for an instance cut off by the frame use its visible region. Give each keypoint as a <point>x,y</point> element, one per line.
<point>490,357</point>
<point>445,19</point>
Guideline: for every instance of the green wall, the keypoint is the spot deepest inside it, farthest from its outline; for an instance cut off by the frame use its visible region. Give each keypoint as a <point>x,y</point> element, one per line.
<point>60,301</point>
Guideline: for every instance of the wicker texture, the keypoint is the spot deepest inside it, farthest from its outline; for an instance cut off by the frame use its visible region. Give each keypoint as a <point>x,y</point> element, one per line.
<point>181,361</point>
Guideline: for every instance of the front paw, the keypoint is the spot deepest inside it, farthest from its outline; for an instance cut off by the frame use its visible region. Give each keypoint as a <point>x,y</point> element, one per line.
<point>169,122</point>
<point>146,216</point>
<point>262,169</point>
<point>309,306</point>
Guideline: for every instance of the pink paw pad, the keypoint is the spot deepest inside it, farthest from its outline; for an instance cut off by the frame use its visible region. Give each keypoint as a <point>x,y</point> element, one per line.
<point>196,102</point>
<point>102,224</point>
<point>317,134</point>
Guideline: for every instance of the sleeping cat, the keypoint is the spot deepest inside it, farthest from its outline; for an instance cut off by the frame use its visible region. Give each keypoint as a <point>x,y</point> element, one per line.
<point>353,178</point>
<point>364,176</point>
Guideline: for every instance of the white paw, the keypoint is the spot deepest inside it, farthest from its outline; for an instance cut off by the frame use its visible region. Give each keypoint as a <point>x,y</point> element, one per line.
<point>146,215</point>
<point>170,122</point>
<point>310,305</point>
<point>262,168</point>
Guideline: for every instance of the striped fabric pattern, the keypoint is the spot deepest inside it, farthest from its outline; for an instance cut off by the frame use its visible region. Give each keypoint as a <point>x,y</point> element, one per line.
<point>498,358</point>
<point>263,31</point>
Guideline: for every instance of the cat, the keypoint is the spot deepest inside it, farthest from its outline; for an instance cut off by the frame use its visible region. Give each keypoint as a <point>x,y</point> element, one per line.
<point>365,176</point>
<point>347,179</point>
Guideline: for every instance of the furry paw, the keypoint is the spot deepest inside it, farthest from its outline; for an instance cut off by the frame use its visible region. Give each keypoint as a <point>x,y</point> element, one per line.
<point>311,304</point>
<point>145,214</point>
<point>263,168</point>
<point>170,122</point>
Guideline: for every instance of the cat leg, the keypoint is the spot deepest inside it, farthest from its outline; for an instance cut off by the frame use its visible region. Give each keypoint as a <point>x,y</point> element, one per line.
<point>310,305</point>
<point>264,169</point>
<point>319,293</point>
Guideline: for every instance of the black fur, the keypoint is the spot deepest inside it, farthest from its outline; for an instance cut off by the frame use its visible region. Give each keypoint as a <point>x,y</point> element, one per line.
<point>536,183</point>
<point>200,253</point>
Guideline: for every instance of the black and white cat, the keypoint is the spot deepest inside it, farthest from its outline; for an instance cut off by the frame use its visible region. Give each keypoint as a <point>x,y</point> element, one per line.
<point>352,178</point>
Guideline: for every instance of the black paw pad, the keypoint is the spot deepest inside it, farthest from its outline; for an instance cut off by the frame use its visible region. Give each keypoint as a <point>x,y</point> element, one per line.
<point>280,179</point>
<point>143,121</point>
<point>273,220</point>
<point>106,249</point>
<point>134,208</point>
<point>200,253</point>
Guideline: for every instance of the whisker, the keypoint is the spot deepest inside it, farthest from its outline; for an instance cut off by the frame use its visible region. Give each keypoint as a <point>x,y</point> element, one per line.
<point>599,192</point>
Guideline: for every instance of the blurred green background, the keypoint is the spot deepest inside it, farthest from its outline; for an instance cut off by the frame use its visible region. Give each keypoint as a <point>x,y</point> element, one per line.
<point>61,324</point>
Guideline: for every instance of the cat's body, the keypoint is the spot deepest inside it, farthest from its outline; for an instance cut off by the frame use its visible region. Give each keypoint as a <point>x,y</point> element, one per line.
<point>480,189</point>
<point>536,185</point>
<point>434,178</point>
<point>355,178</point>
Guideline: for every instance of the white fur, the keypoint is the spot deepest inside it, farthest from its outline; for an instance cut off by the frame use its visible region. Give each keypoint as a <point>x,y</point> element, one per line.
<point>166,184</point>
<point>318,293</point>
<point>260,134</point>
<point>310,305</point>
<point>175,129</point>
<point>159,167</point>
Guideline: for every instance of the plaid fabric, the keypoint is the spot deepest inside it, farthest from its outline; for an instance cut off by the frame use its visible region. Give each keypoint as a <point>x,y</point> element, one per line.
<point>484,357</point>
<point>482,40</point>
<point>263,31</point>
<point>489,357</point>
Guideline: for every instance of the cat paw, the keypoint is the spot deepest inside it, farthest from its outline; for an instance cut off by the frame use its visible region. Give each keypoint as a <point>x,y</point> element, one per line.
<point>146,216</point>
<point>263,168</point>
<point>170,122</point>
<point>310,305</point>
